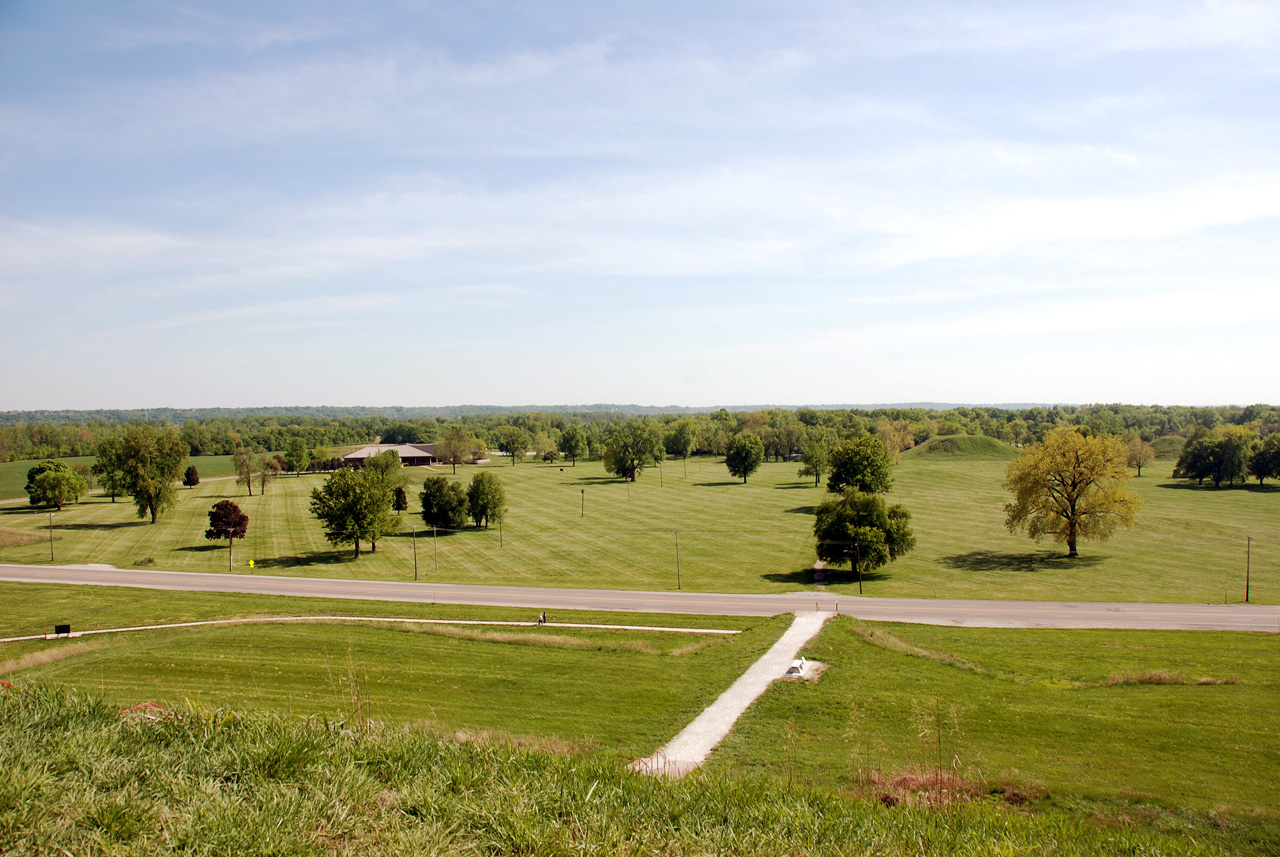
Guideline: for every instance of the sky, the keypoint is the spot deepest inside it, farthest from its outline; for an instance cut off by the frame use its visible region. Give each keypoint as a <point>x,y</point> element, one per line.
<point>664,203</point>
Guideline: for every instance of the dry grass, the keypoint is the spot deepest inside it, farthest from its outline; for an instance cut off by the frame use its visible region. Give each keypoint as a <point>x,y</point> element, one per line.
<point>558,641</point>
<point>917,787</point>
<point>18,538</point>
<point>47,656</point>
<point>1165,677</point>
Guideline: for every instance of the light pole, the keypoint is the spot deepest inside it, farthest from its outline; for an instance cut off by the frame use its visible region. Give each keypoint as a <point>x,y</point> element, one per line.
<point>584,503</point>
<point>435,551</point>
<point>414,528</point>
<point>51,537</point>
<point>677,532</point>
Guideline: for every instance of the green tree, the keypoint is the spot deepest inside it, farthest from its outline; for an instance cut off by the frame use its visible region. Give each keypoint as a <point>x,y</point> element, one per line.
<point>152,464</point>
<point>226,521</point>
<point>1264,461</point>
<point>191,478</point>
<point>744,455</point>
<point>1220,455</point>
<point>444,503</point>
<point>456,447</point>
<point>516,441</point>
<point>860,463</point>
<point>297,457</point>
<point>1140,454</point>
<point>486,498</point>
<point>631,446</point>
<point>399,499</point>
<point>268,467</point>
<point>573,443</point>
<point>1070,487</point>
<point>109,467</point>
<point>353,508</point>
<point>815,460</point>
<point>682,440</point>
<point>54,483</point>
<point>242,461</point>
<point>862,530</point>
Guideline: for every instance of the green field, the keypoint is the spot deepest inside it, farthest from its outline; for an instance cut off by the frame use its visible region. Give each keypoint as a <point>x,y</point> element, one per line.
<point>625,692</point>
<point>13,474</point>
<point>1189,545</point>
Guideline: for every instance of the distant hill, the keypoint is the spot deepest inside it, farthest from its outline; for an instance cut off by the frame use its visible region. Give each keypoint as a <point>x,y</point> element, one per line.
<point>965,446</point>
<point>1169,448</point>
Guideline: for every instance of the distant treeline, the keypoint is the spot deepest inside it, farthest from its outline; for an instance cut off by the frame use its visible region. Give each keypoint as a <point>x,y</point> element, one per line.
<point>784,432</point>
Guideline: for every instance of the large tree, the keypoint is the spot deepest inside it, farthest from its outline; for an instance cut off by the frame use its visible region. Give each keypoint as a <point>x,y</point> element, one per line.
<point>226,521</point>
<point>191,478</point>
<point>54,483</point>
<point>268,467</point>
<point>109,468</point>
<point>1264,461</point>
<point>297,457</point>
<point>486,498</point>
<point>573,443</point>
<point>152,463</point>
<point>631,446</point>
<point>242,462</point>
<point>1071,486</point>
<point>744,455</point>
<point>1220,454</point>
<point>353,507</point>
<point>1140,454</point>
<point>862,530</point>
<point>444,503</point>
<point>816,458</point>
<point>455,447</point>
<point>516,441</point>
<point>860,463</point>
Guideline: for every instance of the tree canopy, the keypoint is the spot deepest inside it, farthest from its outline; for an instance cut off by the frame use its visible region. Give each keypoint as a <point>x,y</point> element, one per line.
<point>486,498</point>
<point>744,455</point>
<point>860,463</point>
<point>631,446</point>
<point>151,463</point>
<point>1220,455</point>
<point>862,530</point>
<point>227,521</point>
<point>1264,462</point>
<point>573,443</point>
<point>353,506</point>
<point>297,457</point>
<point>455,447</point>
<point>109,468</point>
<point>1070,487</point>
<point>242,461</point>
<point>444,503</point>
<point>54,483</point>
<point>191,478</point>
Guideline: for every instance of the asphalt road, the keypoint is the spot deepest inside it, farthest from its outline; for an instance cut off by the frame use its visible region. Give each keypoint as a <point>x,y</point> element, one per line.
<point>978,614</point>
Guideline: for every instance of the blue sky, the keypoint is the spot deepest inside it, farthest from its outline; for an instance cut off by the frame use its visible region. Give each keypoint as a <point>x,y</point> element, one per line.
<point>418,203</point>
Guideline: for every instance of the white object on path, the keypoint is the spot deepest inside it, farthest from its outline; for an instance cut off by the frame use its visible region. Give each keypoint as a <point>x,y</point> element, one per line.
<point>691,747</point>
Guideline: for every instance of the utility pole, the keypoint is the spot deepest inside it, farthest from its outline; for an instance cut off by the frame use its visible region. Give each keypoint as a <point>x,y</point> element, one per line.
<point>51,537</point>
<point>677,532</point>
<point>1248,553</point>
<point>414,528</point>
<point>858,547</point>
<point>584,503</point>
<point>435,551</point>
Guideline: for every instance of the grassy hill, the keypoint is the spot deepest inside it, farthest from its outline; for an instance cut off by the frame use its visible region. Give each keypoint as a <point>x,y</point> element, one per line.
<point>964,446</point>
<point>82,778</point>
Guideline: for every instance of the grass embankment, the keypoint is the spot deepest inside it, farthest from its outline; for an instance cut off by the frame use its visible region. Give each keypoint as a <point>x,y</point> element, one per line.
<point>1166,725</point>
<point>624,692</point>
<point>82,778</point>
<point>1189,544</point>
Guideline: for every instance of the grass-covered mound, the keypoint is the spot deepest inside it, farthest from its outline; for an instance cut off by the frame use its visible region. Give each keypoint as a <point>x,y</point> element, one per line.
<point>82,777</point>
<point>1169,448</point>
<point>965,446</point>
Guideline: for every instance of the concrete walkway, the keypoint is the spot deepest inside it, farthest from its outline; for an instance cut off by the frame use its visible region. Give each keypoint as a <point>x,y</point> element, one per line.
<point>691,747</point>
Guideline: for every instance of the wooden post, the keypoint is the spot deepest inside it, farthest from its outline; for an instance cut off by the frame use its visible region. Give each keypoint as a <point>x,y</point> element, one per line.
<point>51,537</point>
<point>677,532</point>
<point>414,528</point>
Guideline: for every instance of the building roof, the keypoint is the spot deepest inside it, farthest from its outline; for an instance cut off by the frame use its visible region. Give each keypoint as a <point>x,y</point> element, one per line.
<point>404,450</point>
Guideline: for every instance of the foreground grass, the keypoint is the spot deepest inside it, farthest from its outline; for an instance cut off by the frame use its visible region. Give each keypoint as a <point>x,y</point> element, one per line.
<point>82,778</point>
<point>622,692</point>
<point>573,526</point>
<point>1152,719</point>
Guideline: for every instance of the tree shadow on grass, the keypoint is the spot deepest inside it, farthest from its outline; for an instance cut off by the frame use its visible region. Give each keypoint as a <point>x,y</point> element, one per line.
<point>204,548</point>
<point>805,576</point>
<point>1208,487</point>
<point>799,486</point>
<point>1036,561</point>
<point>802,510</point>
<point>717,484</point>
<point>116,526</point>
<point>596,480</point>
<point>316,558</point>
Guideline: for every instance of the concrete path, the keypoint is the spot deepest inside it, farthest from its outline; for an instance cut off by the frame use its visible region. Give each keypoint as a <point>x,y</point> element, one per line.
<point>929,611</point>
<point>691,747</point>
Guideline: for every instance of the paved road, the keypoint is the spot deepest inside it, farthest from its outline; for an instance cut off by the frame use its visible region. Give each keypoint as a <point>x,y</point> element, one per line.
<point>983,614</point>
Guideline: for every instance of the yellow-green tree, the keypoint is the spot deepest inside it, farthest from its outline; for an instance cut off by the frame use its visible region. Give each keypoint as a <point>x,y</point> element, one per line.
<point>1071,487</point>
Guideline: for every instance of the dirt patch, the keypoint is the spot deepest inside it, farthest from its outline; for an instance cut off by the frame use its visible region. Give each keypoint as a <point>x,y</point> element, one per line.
<point>46,656</point>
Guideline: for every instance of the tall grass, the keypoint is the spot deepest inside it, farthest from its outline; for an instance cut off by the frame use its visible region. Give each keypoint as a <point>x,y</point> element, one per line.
<point>82,778</point>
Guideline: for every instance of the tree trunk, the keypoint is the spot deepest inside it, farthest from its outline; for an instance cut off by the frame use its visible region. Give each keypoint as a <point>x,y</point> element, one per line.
<point>153,514</point>
<point>357,548</point>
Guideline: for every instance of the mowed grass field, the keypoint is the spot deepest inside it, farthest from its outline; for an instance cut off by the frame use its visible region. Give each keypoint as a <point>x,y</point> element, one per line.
<point>1067,713</point>
<point>616,691</point>
<point>577,527</point>
<point>13,474</point>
